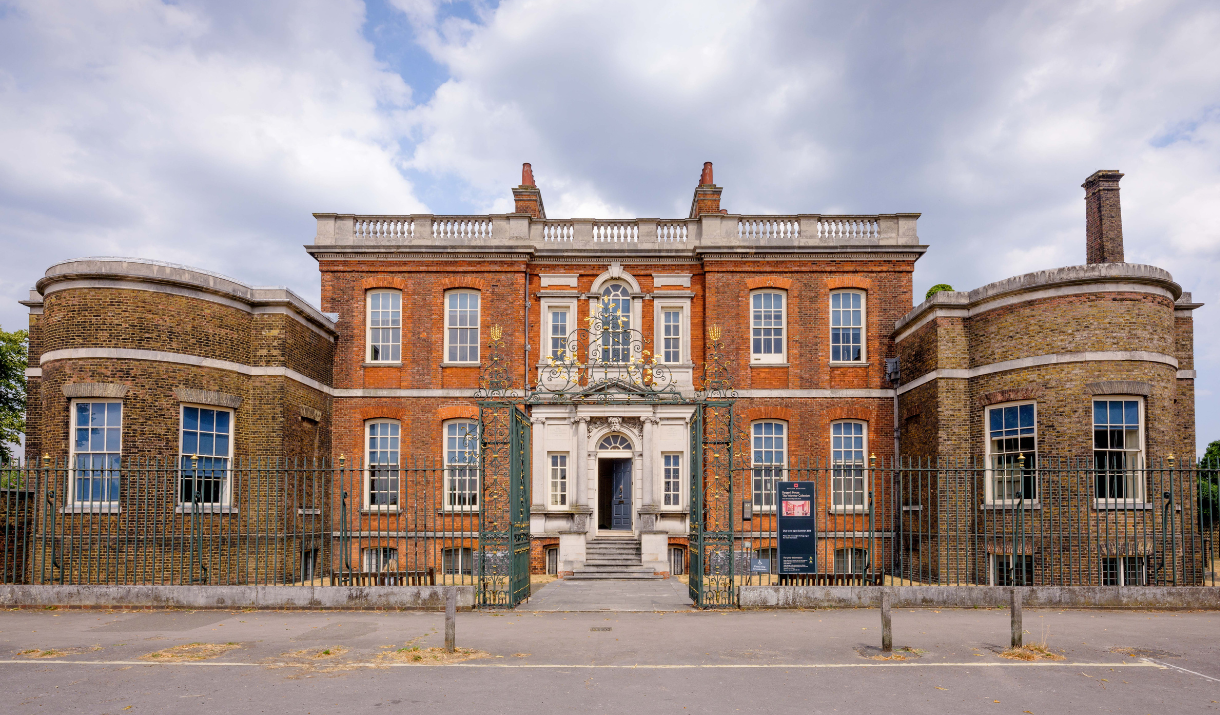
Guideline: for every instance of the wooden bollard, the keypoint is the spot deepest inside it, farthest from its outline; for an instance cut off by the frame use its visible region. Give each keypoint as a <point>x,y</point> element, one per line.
<point>887,634</point>
<point>1018,633</point>
<point>450,619</point>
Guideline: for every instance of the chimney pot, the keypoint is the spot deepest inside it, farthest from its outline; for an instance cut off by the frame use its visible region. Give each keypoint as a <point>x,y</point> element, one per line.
<point>707,195</point>
<point>527,199</point>
<point>1103,217</point>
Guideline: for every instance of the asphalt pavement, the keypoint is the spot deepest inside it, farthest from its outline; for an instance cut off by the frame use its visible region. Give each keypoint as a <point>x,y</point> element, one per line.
<point>663,662</point>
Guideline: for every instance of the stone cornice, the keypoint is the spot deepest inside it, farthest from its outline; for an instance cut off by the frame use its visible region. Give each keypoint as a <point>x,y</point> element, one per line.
<point>1071,280</point>
<point>157,276</point>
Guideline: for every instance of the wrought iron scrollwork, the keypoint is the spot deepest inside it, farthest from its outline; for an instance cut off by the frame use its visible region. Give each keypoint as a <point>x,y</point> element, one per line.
<point>717,369</point>
<point>605,361</point>
<point>495,375</point>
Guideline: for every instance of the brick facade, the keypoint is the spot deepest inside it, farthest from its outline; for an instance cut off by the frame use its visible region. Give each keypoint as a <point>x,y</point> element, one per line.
<point>308,389</point>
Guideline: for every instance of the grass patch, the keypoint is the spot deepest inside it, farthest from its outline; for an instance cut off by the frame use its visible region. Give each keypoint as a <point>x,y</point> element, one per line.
<point>1032,651</point>
<point>190,651</point>
<point>318,653</point>
<point>431,656</point>
<point>55,652</point>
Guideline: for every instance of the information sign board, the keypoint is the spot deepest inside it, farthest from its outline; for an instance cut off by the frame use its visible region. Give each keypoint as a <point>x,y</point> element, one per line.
<point>796,527</point>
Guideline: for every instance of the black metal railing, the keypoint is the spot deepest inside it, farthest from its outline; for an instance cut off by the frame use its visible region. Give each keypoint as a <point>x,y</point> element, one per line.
<point>945,521</point>
<point>265,522</point>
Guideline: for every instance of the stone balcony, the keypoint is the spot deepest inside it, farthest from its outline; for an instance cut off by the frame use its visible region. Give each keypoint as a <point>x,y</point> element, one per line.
<point>709,232</point>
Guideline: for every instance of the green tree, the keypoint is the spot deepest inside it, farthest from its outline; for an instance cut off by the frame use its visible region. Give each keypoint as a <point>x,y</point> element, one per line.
<point>1209,486</point>
<point>937,289</point>
<point>14,353</point>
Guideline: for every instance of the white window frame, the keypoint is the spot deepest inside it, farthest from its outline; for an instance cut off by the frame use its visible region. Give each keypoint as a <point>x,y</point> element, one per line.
<point>1139,486</point>
<point>73,496</point>
<point>374,559</point>
<point>760,505</point>
<point>781,357</point>
<point>464,555</point>
<point>1121,570</point>
<point>596,347</point>
<point>855,556</point>
<point>368,328</point>
<point>450,469</point>
<point>863,466</point>
<point>677,561</point>
<point>1031,457</point>
<point>184,457</point>
<point>478,334</point>
<point>396,470</point>
<point>994,565</point>
<point>661,306</point>
<point>549,305</point>
<point>558,479</point>
<point>672,499</point>
<point>863,325</point>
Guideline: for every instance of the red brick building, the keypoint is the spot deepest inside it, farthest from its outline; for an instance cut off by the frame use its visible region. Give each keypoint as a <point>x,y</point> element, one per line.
<point>810,311</point>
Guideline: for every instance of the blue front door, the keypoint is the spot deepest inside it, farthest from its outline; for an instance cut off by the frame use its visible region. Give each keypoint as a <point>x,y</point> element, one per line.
<point>620,495</point>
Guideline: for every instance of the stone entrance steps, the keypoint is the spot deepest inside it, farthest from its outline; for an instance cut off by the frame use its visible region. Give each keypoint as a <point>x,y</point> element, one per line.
<point>611,557</point>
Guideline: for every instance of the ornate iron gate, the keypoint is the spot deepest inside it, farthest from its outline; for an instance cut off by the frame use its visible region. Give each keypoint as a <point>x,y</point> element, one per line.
<point>714,567</point>
<point>504,505</point>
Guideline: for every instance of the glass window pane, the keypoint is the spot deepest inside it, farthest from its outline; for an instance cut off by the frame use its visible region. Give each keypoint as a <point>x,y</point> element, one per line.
<point>190,418</point>
<point>1132,410</point>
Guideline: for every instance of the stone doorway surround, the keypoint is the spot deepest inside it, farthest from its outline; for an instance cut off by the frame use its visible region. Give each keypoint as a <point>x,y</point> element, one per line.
<point>577,430</point>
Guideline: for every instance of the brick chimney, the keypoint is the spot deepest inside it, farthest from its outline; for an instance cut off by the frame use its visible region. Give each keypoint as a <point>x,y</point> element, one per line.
<point>1102,217</point>
<point>707,195</point>
<point>527,197</point>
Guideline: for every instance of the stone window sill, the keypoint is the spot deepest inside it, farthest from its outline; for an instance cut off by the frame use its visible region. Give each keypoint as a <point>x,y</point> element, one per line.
<point>847,510</point>
<point>1109,505</point>
<point>1012,506</point>
<point>850,364</point>
<point>382,364</point>
<point>769,364</point>
<point>91,509</point>
<point>460,364</point>
<point>205,509</point>
<point>379,510</point>
<point>309,512</point>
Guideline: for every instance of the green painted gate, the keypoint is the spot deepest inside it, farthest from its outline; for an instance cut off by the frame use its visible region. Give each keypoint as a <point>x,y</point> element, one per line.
<point>503,563</point>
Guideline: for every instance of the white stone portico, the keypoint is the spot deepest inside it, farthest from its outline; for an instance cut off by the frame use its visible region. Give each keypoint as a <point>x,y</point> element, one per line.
<point>652,430</point>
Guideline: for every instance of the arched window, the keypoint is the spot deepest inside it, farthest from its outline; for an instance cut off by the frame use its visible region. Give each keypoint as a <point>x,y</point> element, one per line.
<point>848,481</point>
<point>616,323</point>
<point>461,465</point>
<point>382,462</point>
<point>614,442</point>
<point>769,457</point>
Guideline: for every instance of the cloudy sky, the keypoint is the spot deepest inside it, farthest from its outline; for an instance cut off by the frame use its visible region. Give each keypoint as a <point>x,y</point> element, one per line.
<point>206,133</point>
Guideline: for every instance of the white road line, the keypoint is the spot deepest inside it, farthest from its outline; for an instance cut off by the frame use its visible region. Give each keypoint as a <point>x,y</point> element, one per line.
<point>1144,663</point>
<point>1177,667</point>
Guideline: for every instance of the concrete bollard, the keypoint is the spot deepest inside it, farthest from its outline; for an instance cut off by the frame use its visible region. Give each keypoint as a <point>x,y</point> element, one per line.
<point>450,619</point>
<point>1018,633</point>
<point>887,634</point>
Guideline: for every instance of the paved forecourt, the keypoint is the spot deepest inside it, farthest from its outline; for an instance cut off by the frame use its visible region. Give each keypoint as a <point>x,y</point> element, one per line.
<point>610,595</point>
<point>722,661</point>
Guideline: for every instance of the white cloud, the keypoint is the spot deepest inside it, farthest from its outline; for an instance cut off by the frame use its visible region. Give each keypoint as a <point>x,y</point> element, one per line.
<point>985,117</point>
<point>202,133</point>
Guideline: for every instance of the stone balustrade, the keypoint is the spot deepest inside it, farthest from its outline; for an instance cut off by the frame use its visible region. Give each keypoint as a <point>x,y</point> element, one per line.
<point>707,231</point>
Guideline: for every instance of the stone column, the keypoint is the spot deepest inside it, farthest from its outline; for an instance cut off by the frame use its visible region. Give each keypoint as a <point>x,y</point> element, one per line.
<point>541,467</point>
<point>649,463</point>
<point>582,461</point>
